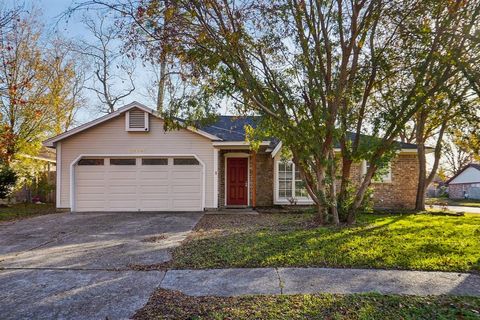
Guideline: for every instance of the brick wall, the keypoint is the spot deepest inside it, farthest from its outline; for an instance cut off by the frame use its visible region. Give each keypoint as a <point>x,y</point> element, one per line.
<point>264,180</point>
<point>456,191</point>
<point>401,192</point>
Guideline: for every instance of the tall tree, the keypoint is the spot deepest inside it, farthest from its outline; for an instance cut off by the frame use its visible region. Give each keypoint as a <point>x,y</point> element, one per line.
<point>65,95</point>
<point>147,30</point>
<point>454,156</point>
<point>8,15</point>
<point>112,70</point>
<point>24,79</point>
<point>409,74</point>
<point>433,120</point>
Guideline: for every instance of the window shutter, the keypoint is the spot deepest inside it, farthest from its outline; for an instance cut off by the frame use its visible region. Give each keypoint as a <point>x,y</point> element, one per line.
<point>137,120</point>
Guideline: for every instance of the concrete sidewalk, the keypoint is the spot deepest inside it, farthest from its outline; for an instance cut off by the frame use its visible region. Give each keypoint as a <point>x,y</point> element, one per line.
<point>459,209</point>
<point>234,282</point>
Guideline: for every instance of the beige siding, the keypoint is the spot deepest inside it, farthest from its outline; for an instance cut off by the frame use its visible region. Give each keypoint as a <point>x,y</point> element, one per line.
<point>111,138</point>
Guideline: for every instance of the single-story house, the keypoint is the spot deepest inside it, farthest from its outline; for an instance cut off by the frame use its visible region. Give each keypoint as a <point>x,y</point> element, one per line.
<point>125,161</point>
<point>466,183</point>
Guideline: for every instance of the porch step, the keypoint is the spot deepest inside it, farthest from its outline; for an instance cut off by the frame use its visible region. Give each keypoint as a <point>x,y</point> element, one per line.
<point>233,211</point>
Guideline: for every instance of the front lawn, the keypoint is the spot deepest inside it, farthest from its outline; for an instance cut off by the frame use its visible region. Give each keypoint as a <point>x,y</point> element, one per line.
<point>392,241</point>
<point>452,202</point>
<point>24,210</point>
<point>166,304</point>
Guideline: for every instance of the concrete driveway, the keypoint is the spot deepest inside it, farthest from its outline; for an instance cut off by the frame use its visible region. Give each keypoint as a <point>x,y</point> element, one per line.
<point>81,266</point>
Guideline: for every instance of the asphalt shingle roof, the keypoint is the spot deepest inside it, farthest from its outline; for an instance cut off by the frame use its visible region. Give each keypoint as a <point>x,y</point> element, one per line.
<point>232,128</point>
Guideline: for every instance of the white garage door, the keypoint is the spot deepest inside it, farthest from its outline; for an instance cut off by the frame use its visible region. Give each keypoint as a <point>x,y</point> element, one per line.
<point>138,184</point>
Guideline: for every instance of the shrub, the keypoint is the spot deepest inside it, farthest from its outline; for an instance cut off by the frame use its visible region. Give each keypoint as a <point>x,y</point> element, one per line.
<point>8,179</point>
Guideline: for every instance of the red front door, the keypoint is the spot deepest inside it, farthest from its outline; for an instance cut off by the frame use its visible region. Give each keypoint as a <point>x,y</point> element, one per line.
<point>237,181</point>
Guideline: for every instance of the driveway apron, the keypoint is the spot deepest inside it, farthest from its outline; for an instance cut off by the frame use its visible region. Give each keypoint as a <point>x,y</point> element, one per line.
<point>81,266</point>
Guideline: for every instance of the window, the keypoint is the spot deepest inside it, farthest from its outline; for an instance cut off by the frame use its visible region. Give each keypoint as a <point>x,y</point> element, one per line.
<point>300,187</point>
<point>185,162</point>
<point>290,184</point>
<point>122,162</point>
<point>383,174</point>
<point>90,162</point>
<point>154,162</point>
<point>285,177</point>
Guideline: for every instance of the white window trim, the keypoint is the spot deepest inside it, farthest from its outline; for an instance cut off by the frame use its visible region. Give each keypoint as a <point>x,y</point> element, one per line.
<point>58,187</point>
<point>127,122</point>
<point>236,155</point>
<point>276,191</point>
<point>75,161</point>
<point>387,179</point>
<point>215,177</point>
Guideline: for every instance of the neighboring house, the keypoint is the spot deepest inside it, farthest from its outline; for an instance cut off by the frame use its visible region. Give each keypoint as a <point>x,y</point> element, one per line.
<point>46,156</point>
<point>125,161</point>
<point>466,183</point>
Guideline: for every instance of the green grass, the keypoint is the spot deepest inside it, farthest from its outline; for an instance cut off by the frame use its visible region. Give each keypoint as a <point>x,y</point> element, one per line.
<point>451,202</point>
<point>166,304</point>
<point>403,241</point>
<point>19,211</point>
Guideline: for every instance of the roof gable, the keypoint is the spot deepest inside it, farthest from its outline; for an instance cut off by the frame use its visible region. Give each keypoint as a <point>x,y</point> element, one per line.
<point>50,142</point>
<point>469,174</point>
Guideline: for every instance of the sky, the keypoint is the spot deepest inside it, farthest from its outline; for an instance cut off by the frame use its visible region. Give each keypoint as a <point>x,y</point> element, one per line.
<point>72,28</point>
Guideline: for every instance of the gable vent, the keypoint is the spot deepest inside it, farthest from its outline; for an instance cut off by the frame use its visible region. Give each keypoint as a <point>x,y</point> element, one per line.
<point>137,120</point>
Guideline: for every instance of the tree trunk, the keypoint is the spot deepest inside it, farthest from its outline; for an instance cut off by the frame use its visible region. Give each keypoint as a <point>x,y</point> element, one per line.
<point>422,172</point>
<point>320,214</point>
<point>423,179</point>
<point>421,118</point>
<point>344,183</point>
<point>161,84</point>
<point>333,189</point>
<point>351,216</point>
